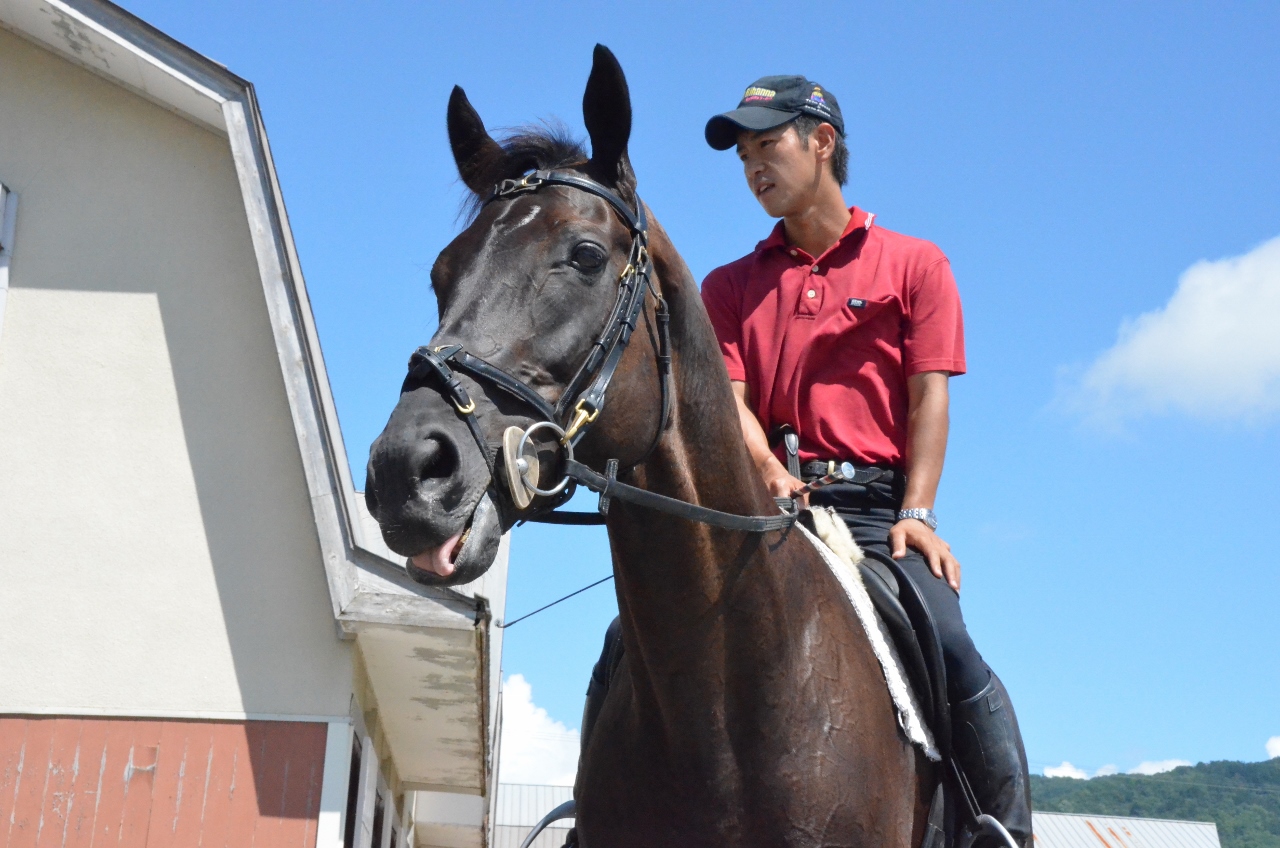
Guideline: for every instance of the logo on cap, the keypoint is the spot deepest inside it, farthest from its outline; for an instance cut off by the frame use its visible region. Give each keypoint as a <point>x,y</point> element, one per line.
<point>757,93</point>
<point>816,97</point>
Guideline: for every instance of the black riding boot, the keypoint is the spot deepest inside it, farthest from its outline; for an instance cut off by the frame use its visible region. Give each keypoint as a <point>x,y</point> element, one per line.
<point>988,747</point>
<point>590,712</point>
<point>597,689</point>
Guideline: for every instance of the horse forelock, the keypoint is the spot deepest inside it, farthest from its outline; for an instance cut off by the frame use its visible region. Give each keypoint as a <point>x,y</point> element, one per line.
<point>537,147</point>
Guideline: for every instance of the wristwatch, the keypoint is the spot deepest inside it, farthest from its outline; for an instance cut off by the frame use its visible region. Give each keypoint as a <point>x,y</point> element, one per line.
<point>920,514</point>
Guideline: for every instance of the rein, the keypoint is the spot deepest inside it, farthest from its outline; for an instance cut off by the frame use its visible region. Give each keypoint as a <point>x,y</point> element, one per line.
<point>584,397</point>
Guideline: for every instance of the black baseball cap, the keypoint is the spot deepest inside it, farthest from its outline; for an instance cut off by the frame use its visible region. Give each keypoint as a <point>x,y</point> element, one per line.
<point>770,102</point>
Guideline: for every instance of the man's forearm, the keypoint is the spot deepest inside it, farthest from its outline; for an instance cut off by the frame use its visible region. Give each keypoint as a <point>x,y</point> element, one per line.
<point>752,432</point>
<point>927,424</point>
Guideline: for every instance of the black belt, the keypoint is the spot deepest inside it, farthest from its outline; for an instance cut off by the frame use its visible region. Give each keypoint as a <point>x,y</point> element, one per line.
<point>863,474</point>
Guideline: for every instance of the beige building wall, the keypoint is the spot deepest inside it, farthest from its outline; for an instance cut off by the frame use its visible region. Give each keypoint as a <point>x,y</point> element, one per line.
<point>158,553</point>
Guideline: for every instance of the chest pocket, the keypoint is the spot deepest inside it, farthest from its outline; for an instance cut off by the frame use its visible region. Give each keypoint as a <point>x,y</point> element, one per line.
<point>864,322</point>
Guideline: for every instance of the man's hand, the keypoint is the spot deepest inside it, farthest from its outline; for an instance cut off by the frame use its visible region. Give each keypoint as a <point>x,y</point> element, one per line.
<point>779,481</point>
<point>911,532</point>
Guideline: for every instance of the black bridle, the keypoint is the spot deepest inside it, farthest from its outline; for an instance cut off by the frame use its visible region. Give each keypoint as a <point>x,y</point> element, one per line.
<point>584,397</point>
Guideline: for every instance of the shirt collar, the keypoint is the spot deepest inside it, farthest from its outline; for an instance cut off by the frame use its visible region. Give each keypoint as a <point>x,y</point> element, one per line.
<point>859,221</point>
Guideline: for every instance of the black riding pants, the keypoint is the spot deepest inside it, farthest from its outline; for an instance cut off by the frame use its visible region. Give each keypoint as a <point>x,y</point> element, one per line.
<point>869,512</point>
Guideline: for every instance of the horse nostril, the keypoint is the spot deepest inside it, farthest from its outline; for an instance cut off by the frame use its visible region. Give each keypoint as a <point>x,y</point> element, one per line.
<point>439,460</point>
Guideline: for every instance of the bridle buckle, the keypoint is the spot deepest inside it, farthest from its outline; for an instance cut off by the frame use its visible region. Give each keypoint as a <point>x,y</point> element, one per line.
<point>584,413</point>
<point>529,182</point>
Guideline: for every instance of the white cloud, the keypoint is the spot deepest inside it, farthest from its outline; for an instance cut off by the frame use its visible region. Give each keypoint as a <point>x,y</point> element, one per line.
<point>1157,766</point>
<point>1273,747</point>
<point>535,747</point>
<point>1212,351</point>
<point>1066,770</point>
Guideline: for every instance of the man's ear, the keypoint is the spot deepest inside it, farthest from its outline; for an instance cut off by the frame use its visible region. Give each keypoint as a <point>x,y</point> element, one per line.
<point>474,151</point>
<point>824,135</point>
<point>606,110</point>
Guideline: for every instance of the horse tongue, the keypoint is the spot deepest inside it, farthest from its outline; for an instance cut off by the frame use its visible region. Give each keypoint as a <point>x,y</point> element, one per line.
<point>438,560</point>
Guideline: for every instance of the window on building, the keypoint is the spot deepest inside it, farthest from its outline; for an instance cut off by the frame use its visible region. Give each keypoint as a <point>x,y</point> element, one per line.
<point>372,819</point>
<point>8,224</point>
<point>379,819</point>
<point>353,795</point>
<point>6,214</point>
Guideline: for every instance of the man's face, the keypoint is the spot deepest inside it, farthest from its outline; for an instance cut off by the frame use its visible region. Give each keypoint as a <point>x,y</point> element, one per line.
<point>782,173</point>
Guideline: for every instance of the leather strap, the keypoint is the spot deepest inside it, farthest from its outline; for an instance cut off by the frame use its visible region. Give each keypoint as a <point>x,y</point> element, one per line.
<point>479,369</point>
<point>791,445</point>
<point>863,475</point>
<point>611,488</point>
<point>532,182</point>
<point>427,363</point>
<point>571,519</point>
<point>632,297</point>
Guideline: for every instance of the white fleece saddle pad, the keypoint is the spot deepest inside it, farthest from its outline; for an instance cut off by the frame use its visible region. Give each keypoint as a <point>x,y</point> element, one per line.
<point>842,555</point>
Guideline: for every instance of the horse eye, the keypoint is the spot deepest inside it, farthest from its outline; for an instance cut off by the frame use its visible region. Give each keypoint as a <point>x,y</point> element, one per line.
<point>588,257</point>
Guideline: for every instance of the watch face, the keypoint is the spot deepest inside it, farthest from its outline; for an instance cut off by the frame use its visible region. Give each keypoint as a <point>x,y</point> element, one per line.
<point>921,514</point>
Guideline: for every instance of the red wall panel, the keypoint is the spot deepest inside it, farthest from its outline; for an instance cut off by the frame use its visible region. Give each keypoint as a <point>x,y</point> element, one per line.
<point>136,783</point>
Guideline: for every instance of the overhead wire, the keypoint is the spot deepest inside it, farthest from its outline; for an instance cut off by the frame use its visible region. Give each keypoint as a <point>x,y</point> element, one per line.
<point>507,624</point>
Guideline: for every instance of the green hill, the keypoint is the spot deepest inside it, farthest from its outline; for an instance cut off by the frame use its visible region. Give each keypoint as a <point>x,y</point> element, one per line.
<point>1243,799</point>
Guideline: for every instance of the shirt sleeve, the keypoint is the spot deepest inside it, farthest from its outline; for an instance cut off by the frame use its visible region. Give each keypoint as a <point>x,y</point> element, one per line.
<point>934,337</point>
<point>724,308</point>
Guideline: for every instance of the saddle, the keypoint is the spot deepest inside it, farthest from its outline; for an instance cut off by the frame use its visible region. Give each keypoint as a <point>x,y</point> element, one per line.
<point>900,605</point>
<point>914,635</point>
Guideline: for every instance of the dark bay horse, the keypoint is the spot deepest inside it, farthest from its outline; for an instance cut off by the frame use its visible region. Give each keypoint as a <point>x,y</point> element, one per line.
<point>749,709</point>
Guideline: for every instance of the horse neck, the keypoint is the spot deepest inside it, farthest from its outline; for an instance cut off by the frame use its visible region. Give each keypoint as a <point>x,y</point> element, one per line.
<point>671,571</point>
<point>703,454</point>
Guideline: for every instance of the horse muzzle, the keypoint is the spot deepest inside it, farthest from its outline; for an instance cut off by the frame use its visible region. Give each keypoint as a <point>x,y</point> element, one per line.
<point>464,556</point>
<point>431,494</point>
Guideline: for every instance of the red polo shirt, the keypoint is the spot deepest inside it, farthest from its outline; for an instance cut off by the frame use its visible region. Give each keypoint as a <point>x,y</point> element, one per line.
<point>826,344</point>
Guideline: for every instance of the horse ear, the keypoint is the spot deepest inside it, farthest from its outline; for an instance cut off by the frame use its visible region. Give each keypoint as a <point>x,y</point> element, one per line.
<point>474,151</point>
<point>606,110</point>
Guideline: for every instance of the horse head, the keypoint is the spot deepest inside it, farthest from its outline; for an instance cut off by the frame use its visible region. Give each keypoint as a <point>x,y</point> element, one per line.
<point>528,287</point>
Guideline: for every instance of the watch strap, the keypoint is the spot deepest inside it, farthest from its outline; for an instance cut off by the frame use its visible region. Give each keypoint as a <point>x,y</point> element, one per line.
<point>920,514</point>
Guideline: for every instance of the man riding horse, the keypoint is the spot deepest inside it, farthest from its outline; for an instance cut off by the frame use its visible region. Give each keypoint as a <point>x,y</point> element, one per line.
<point>839,337</point>
<point>749,708</point>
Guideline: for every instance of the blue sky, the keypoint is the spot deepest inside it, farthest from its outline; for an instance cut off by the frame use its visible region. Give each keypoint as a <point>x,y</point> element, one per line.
<point>1112,493</point>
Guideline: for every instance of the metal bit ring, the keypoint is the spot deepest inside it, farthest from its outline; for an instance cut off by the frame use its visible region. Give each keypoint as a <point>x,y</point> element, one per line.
<point>568,452</point>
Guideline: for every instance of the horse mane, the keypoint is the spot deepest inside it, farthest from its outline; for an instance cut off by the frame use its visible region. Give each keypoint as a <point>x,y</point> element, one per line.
<point>535,147</point>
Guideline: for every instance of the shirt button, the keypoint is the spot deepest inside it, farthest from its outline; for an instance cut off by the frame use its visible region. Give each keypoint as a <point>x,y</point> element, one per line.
<point>811,293</point>
<point>814,269</point>
<point>794,252</point>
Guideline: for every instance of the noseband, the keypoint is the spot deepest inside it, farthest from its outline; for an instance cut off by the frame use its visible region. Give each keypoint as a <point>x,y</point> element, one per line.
<point>584,397</point>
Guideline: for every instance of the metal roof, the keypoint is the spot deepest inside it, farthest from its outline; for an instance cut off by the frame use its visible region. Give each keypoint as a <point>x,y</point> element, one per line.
<point>525,804</point>
<point>520,806</point>
<point>1069,830</point>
